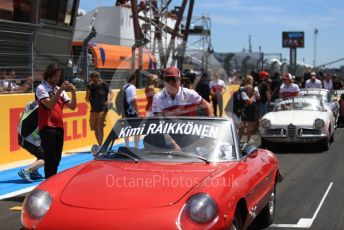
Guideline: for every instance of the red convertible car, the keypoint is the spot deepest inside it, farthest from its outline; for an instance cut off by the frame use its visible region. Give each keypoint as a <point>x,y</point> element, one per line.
<point>187,173</point>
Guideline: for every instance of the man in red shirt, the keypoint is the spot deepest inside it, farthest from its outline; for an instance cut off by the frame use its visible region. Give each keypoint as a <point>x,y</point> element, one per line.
<point>50,116</point>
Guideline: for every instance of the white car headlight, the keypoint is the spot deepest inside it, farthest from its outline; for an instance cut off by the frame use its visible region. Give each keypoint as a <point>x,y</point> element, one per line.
<point>265,123</point>
<point>319,123</point>
<point>37,203</point>
<point>201,208</point>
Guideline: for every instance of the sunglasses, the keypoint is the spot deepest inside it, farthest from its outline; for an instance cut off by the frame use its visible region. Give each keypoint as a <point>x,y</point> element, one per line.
<point>171,79</point>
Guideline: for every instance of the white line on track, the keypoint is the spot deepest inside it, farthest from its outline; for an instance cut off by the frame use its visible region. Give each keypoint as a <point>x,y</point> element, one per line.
<point>305,222</point>
<point>17,193</point>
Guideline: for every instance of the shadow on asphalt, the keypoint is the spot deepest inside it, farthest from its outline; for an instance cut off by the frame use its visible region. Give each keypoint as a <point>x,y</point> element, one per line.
<point>340,125</point>
<point>72,153</point>
<point>19,199</point>
<point>256,225</point>
<point>296,148</point>
<point>17,181</point>
<point>305,148</point>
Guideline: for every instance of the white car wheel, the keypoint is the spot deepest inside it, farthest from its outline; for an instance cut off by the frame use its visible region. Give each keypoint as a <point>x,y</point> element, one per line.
<point>324,145</point>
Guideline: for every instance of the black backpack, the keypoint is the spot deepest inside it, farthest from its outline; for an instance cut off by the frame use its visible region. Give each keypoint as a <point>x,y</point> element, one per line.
<point>121,103</point>
<point>28,133</point>
<point>238,103</point>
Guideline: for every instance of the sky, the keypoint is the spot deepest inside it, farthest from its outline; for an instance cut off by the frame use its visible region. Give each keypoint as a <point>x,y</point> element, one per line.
<point>233,21</point>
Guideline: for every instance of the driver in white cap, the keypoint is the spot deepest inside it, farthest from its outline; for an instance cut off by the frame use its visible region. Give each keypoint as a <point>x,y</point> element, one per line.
<point>288,88</point>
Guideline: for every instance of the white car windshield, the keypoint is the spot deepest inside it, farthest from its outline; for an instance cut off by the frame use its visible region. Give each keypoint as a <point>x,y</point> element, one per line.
<point>321,94</point>
<point>299,103</point>
<point>172,140</point>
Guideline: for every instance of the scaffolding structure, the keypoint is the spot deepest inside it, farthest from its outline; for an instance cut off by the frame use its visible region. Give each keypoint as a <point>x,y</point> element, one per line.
<point>155,16</point>
<point>159,29</point>
<point>200,41</point>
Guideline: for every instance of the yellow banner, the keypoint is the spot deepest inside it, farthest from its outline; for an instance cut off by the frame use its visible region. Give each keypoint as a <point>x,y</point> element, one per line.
<point>76,123</point>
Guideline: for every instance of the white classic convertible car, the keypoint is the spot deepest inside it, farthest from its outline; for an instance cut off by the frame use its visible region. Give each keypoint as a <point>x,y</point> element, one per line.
<point>298,120</point>
<point>329,100</point>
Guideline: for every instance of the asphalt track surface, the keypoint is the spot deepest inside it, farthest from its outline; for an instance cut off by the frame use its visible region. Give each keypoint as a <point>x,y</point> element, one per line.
<point>311,195</point>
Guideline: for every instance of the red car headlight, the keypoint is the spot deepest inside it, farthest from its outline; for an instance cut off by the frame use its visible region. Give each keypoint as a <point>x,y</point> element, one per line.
<point>36,204</point>
<point>201,208</point>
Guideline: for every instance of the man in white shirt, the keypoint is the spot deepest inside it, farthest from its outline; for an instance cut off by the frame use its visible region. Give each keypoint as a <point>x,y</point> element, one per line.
<point>130,96</point>
<point>313,82</point>
<point>327,82</point>
<point>217,87</point>
<point>175,100</point>
<point>130,105</point>
<point>288,88</point>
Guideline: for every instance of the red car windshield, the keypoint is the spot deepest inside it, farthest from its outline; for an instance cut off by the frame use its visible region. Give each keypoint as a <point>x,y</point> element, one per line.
<point>172,139</point>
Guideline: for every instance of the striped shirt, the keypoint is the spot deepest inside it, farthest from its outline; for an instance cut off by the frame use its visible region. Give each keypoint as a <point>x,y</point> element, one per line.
<point>183,104</point>
<point>292,90</point>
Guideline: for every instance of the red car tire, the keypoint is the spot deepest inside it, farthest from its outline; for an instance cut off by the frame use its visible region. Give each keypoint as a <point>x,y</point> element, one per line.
<point>267,215</point>
<point>237,222</point>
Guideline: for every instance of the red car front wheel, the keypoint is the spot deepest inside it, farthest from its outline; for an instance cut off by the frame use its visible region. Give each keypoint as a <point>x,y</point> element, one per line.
<point>267,215</point>
<point>237,222</point>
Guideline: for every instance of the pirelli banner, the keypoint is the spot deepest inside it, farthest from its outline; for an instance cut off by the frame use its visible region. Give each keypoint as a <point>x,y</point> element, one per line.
<point>76,123</point>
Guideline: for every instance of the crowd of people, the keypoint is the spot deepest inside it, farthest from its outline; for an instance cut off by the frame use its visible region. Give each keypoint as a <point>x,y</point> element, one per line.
<point>258,90</point>
<point>188,95</point>
<point>9,83</point>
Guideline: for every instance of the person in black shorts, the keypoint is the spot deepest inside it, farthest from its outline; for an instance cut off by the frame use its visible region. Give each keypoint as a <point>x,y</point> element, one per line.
<point>248,117</point>
<point>100,96</point>
<point>275,85</point>
<point>264,92</point>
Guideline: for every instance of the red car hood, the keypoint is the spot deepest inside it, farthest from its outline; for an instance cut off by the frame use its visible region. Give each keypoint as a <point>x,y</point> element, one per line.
<point>126,185</point>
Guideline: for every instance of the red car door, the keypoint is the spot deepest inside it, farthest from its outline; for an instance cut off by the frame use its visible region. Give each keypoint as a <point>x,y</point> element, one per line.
<point>264,178</point>
<point>254,166</point>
